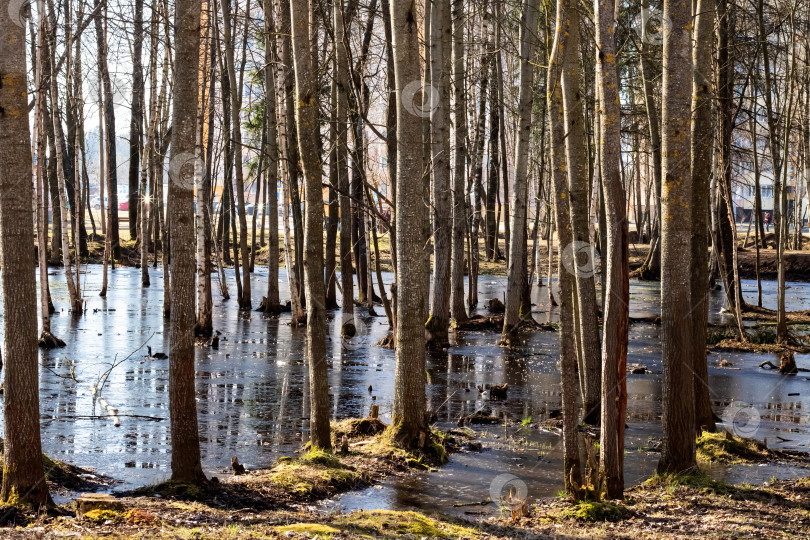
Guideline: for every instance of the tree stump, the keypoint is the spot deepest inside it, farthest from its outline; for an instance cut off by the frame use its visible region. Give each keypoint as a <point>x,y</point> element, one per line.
<point>97,501</point>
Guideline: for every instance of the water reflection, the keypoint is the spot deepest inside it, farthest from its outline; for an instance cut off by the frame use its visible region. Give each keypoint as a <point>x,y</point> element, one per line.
<point>253,400</point>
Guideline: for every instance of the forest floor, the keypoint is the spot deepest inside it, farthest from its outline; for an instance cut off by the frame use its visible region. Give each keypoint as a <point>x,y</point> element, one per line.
<point>676,506</point>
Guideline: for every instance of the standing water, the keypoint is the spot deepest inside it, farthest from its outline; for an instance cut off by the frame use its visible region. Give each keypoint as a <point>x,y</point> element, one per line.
<point>253,402</point>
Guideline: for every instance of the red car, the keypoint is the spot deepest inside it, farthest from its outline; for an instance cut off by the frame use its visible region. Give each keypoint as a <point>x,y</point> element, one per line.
<point>124,205</point>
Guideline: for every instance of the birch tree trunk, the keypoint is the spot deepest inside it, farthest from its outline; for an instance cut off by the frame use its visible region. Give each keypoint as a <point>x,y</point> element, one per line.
<point>306,84</point>
<point>183,167</point>
<point>22,467</point>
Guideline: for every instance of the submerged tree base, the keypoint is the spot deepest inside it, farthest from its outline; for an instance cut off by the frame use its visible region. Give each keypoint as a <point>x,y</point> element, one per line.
<point>50,341</point>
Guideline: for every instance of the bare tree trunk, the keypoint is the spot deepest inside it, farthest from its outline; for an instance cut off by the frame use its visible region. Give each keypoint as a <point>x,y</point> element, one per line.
<point>183,167</point>
<point>577,256</point>
<point>272,303</point>
<point>292,158</point>
<point>47,339</point>
<point>23,475</point>
<point>441,65</point>
<point>702,146</point>
<point>204,326</point>
<point>245,301</point>
<point>73,287</point>
<point>410,404</point>
<point>678,418</point>
<point>136,121</point>
<point>617,295</point>
<point>308,136</point>
<point>516,271</point>
<point>457,310</point>
<point>476,182</point>
<point>348,327</point>
<point>651,268</point>
<point>568,355</point>
<point>109,120</point>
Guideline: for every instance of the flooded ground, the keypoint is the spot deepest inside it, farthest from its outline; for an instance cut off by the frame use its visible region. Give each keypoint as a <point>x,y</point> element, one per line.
<point>253,401</point>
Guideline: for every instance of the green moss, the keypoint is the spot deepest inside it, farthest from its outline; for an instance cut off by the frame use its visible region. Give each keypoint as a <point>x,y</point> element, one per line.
<point>385,523</point>
<point>100,516</point>
<point>726,448</point>
<point>594,511</point>
<point>315,473</point>
<point>321,457</point>
<point>171,490</point>
<point>308,528</point>
<point>698,479</point>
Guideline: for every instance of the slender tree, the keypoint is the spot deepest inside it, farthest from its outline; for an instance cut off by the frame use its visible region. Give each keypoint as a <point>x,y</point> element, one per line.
<point>440,49</point>
<point>568,354</point>
<point>306,85</point>
<point>457,308</point>
<point>516,270</point>
<point>702,146</point>
<point>617,295</point>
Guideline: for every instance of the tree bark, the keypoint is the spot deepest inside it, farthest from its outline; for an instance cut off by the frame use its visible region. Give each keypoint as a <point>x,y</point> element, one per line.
<point>307,92</point>
<point>459,213</point>
<point>678,418</point>
<point>23,474</point>
<point>617,295</point>
<point>568,355</point>
<point>702,146</point>
<point>109,128</point>
<point>183,167</point>
<point>578,188</point>
<point>516,271</point>
<point>136,119</point>
<point>410,406</point>
<point>440,59</point>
